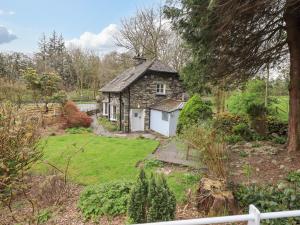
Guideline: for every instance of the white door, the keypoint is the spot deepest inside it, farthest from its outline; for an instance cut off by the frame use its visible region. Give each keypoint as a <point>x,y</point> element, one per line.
<point>137,119</point>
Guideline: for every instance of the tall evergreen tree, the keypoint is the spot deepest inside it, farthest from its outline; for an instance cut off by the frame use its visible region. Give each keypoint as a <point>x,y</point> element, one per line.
<point>233,40</point>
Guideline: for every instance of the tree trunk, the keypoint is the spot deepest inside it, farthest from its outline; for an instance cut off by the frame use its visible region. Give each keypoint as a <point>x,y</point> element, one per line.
<point>292,19</point>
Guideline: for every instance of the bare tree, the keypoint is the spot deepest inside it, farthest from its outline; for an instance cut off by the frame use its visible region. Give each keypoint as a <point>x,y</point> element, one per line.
<point>149,34</point>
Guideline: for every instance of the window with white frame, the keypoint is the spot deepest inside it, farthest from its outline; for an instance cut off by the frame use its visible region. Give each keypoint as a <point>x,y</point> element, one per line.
<point>160,89</point>
<point>165,116</point>
<point>105,108</point>
<point>113,113</point>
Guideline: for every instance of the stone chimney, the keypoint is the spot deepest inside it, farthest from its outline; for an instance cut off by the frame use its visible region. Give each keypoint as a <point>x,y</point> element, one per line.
<point>139,60</point>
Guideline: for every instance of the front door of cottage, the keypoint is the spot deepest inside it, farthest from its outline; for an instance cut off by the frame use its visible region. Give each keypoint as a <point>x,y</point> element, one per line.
<point>137,119</point>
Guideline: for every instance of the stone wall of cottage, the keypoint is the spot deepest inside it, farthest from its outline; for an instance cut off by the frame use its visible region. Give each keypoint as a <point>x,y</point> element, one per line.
<point>143,91</point>
<point>142,95</point>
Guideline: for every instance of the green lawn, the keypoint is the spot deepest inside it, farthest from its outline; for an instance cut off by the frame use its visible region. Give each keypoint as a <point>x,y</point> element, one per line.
<point>103,159</point>
<point>107,159</point>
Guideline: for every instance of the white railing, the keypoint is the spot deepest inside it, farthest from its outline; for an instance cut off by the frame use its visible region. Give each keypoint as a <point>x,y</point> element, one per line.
<point>253,218</point>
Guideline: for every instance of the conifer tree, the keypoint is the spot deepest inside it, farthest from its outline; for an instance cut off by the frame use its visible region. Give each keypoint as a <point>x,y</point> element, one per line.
<point>138,200</point>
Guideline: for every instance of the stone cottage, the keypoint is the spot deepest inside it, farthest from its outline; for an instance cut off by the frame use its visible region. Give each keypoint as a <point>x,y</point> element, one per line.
<point>128,98</point>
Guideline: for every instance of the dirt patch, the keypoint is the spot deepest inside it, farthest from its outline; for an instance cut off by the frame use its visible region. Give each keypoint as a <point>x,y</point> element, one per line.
<point>261,162</point>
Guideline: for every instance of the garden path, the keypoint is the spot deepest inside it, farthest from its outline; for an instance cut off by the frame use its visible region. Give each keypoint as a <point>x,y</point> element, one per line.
<point>173,151</point>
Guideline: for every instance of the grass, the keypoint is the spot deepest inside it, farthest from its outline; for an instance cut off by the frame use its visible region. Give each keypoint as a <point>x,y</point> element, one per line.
<point>108,159</point>
<point>103,159</point>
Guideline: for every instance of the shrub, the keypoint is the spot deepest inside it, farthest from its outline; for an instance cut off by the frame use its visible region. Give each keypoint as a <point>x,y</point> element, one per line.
<point>233,139</point>
<point>243,130</point>
<point>108,125</point>
<point>106,199</point>
<point>276,126</point>
<point>19,138</point>
<point>194,112</point>
<point>224,122</point>
<point>152,163</point>
<point>78,130</point>
<point>211,147</point>
<point>279,140</point>
<point>151,200</point>
<point>284,196</point>
<point>239,101</point>
<point>255,110</point>
<point>137,204</point>
<point>73,117</point>
<point>161,201</point>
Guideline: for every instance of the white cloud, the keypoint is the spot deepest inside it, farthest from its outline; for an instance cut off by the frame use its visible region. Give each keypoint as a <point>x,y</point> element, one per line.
<point>102,42</point>
<point>3,12</point>
<point>6,35</point>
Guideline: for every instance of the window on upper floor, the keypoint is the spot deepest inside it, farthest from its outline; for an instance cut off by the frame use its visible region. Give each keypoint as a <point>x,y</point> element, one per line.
<point>160,89</point>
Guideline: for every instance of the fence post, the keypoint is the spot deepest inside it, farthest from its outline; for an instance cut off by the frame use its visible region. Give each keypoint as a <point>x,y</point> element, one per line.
<point>256,214</point>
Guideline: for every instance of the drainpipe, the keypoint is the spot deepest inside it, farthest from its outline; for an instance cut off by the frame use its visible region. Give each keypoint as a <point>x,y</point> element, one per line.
<point>108,105</point>
<point>120,106</point>
<point>128,109</point>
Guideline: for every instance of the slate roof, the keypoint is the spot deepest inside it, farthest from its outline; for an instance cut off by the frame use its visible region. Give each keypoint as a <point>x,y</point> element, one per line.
<point>168,105</point>
<point>126,78</point>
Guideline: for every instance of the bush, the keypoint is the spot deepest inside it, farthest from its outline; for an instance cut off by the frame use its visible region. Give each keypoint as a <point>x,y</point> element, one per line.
<point>279,140</point>
<point>211,147</point>
<point>224,122</point>
<point>239,101</point>
<point>243,130</point>
<point>137,206</point>
<point>108,125</point>
<point>152,163</point>
<point>151,201</point>
<point>255,111</point>
<point>78,130</point>
<point>285,196</point>
<point>161,201</point>
<point>73,117</point>
<point>106,199</point>
<point>276,126</point>
<point>194,112</point>
<point>19,151</point>
<point>233,139</point>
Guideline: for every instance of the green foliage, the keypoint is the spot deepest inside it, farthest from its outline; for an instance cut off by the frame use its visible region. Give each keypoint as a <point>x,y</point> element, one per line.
<point>279,139</point>
<point>151,200</point>
<point>277,126</point>
<point>239,101</point>
<point>60,97</point>
<point>108,125</point>
<point>19,151</point>
<point>78,130</point>
<point>256,110</point>
<point>44,216</point>
<point>137,205</point>
<point>224,122</point>
<point>233,139</point>
<point>284,196</point>
<point>243,130</point>
<point>161,201</point>
<point>108,199</point>
<point>194,112</point>
<point>152,163</point>
<point>44,86</point>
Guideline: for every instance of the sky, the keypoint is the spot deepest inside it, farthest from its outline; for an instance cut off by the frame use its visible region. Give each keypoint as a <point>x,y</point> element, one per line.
<point>83,23</point>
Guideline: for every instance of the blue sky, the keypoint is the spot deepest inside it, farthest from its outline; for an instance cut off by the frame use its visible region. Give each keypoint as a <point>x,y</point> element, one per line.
<point>87,23</point>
